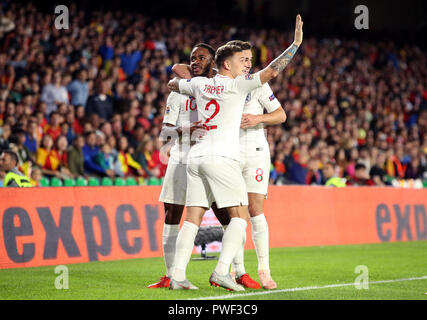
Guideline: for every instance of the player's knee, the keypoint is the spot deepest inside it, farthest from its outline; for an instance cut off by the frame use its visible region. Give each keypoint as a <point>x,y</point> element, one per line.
<point>195,215</point>
<point>255,209</point>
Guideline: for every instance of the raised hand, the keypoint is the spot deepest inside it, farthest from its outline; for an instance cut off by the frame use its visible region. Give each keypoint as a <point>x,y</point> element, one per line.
<point>298,30</point>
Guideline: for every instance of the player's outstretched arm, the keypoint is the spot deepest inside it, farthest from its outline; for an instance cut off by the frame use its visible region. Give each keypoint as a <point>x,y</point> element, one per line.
<point>280,63</point>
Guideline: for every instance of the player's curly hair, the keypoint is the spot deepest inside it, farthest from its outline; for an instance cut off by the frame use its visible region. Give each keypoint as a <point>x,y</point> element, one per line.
<point>207,47</point>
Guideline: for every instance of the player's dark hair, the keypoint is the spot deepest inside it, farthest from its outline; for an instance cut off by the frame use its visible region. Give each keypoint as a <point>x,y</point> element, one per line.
<point>224,52</point>
<point>242,44</point>
<point>207,47</point>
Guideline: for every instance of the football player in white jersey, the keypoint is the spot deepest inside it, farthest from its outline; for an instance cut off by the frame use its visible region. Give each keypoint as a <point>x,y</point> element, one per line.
<point>179,122</point>
<point>255,165</point>
<point>213,170</point>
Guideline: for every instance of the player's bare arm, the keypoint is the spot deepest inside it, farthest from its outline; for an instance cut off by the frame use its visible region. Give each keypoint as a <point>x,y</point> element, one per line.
<point>251,120</point>
<point>280,63</point>
<point>183,71</point>
<point>173,85</point>
<point>169,130</point>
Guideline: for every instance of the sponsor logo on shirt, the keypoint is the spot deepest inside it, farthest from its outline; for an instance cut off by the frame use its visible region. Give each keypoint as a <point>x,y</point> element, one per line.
<point>188,80</point>
<point>248,98</point>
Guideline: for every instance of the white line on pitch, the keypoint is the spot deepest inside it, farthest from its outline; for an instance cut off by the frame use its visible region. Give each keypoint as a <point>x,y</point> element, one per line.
<point>231,296</point>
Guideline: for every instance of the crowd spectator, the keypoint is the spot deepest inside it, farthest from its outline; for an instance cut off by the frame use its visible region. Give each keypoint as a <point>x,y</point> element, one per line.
<point>12,176</point>
<point>25,159</point>
<point>130,58</point>
<point>330,177</point>
<point>108,160</point>
<point>313,175</point>
<point>54,93</point>
<point>32,138</point>
<point>53,128</point>
<point>106,52</point>
<point>361,176</point>
<point>4,137</point>
<point>36,176</point>
<point>298,169</point>
<point>47,158</point>
<point>129,167</point>
<point>76,157</point>
<point>377,172</point>
<point>61,150</point>
<point>101,103</point>
<point>348,103</point>
<point>149,158</point>
<point>79,89</point>
<point>90,154</point>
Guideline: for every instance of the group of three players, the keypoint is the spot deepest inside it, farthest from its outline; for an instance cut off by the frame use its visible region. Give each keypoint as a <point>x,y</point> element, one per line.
<point>220,159</point>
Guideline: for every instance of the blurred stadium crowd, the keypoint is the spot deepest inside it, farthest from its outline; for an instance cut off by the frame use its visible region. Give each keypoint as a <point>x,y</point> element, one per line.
<point>89,101</point>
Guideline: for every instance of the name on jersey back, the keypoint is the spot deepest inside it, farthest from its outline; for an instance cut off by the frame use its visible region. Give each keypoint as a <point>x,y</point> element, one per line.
<point>213,89</point>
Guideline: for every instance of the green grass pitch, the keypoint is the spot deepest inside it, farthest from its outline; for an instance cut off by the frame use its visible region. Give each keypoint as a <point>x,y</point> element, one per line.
<point>311,269</point>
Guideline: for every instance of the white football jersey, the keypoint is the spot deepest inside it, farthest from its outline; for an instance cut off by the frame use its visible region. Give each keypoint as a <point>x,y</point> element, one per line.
<point>255,103</point>
<point>220,101</point>
<point>181,110</point>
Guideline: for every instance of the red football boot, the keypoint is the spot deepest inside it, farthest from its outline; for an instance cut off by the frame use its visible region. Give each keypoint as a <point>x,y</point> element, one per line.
<point>163,283</point>
<point>246,281</point>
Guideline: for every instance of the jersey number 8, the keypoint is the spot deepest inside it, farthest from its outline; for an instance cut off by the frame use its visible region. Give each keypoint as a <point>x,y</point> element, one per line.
<point>259,173</point>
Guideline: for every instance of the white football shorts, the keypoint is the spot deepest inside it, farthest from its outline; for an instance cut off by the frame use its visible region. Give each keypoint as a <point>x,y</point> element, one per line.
<point>215,179</point>
<point>255,165</point>
<point>174,189</point>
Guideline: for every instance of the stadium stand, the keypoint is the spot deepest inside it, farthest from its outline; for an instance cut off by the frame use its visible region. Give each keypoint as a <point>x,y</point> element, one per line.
<point>361,106</point>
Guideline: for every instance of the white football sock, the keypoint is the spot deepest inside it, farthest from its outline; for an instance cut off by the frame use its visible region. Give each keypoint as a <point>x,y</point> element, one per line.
<point>260,239</point>
<point>231,242</point>
<point>184,248</point>
<point>238,265</point>
<point>170,233</point>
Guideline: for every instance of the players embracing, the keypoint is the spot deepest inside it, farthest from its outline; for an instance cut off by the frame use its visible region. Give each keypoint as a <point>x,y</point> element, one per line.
<point>218,172</point>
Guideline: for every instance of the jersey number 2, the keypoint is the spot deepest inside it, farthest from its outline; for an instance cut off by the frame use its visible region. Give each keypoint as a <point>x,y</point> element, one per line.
<point>215,103</point>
